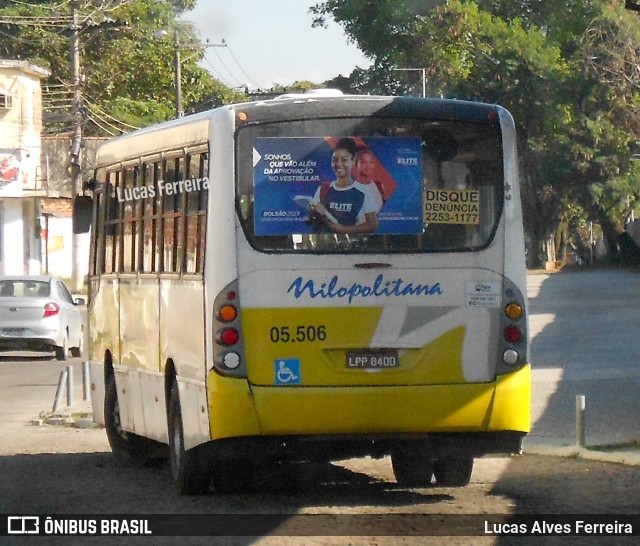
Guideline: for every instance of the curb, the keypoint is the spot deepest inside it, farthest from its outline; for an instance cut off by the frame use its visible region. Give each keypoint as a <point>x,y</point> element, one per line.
<point>78,415</point>
<point>623,454</point>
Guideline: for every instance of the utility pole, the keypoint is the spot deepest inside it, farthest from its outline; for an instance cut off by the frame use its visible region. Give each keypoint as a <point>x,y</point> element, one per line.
<point>177,66</point>
<point>75,163</point>
<point>177,73</point>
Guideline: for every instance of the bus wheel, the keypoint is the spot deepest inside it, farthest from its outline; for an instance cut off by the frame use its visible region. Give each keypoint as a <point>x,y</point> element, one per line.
<point>454,472</point>
<point>126,446</point>
<point>412,468</point>
<point>233,476</point>
<point>189,468</point>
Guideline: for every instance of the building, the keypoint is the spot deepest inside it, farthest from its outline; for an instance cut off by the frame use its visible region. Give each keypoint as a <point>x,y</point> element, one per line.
<point>21,181</point>
<point>56,207</point>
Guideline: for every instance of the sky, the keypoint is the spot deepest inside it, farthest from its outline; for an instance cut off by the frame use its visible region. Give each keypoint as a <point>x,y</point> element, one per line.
<point>271,41</point>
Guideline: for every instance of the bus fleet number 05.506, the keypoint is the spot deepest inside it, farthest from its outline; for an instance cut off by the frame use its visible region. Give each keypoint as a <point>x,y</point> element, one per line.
<point>286,334</point>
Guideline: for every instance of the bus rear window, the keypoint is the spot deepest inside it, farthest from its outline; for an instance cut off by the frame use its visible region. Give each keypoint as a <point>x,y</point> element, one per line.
<point>369,185</point>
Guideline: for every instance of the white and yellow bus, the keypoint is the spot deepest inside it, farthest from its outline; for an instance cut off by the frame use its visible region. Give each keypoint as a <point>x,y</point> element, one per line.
<point>257,291</point>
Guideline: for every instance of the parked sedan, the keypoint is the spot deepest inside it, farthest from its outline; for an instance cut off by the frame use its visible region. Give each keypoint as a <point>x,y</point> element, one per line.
<point>37,313</point>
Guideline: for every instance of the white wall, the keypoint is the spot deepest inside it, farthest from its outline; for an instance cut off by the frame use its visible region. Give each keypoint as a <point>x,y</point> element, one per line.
<point>13,238</point>
<point>19,238</point>
<point>59,249</point>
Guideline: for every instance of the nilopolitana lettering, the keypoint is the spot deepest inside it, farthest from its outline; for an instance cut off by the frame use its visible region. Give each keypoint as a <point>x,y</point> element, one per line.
<point>380,288</point>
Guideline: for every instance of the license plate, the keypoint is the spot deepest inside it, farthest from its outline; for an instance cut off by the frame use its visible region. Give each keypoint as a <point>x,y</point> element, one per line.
<point>373,359</point>
<point>13,332</point>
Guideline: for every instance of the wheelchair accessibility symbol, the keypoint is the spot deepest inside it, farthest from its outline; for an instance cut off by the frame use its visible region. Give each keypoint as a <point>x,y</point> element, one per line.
<point>287,371</point>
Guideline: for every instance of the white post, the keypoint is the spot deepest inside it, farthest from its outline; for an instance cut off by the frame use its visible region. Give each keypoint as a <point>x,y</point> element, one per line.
<point>69,385</point>
<point>59,390</point>
<point>85,380</point>
<point>580,419</point>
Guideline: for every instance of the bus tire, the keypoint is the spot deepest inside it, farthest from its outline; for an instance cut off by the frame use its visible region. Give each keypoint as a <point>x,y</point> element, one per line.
<point>190,468</point>
<point>231,476</point>
<point>453,472</point>
<point>126,446</point>
<point>412,468</point>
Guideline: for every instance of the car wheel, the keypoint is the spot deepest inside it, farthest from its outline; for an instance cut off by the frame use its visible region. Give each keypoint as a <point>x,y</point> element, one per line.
<point>61,352</point>
<point>190,469</point>
<point>76,352</point>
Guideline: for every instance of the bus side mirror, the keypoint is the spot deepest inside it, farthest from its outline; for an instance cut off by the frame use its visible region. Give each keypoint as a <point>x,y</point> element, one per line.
<point>82,211</point>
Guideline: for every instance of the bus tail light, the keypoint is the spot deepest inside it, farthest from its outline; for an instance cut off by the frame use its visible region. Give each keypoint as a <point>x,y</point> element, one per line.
<point>228,349</point>
<point>512,333</point>
<point>231,361</point>
<point>227,313</point>
<point>228,337</point>
<point>513,310</point>
<point>514,350</point>
<point>510,357</point>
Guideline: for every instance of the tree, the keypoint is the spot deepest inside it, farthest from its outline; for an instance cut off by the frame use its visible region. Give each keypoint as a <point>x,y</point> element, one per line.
<point>564,68</point>
<point>128,69</point>
<point>609,122</point>
<point>471,54</point>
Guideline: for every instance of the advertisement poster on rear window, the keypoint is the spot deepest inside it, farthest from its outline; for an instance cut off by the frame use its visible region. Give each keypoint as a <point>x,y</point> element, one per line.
<point>305,184</point>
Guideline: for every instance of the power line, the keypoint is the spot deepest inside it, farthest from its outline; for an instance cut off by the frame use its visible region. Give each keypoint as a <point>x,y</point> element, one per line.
<point>43,6</point>
<point>249,78</point>
<point>216,73</point>
<point>26,41</point>
<point>36,20</point>
<point>238,82</point>
<point>98,124</point>
<point>99,112</point>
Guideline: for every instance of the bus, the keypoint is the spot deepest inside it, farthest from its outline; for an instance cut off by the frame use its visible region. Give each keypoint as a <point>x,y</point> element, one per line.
<point>311,277</point>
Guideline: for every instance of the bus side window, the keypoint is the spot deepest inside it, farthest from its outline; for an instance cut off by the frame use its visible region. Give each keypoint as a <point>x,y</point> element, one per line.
<point>171,213</point>
<point>96,259</point>
<point>195,213</point>
<point>96,252</point>
<point>112,223</point>
<point>148,231</point>
<point>130,219</point>
<point>202,212</point>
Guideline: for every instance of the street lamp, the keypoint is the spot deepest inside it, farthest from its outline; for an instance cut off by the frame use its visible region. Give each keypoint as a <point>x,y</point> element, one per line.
<point>424,77</point>
<point>177,64</point>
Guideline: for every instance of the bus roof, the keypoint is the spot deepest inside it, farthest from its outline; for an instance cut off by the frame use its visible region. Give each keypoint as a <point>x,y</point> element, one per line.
<point>193,130</point>
<point>178,133</point>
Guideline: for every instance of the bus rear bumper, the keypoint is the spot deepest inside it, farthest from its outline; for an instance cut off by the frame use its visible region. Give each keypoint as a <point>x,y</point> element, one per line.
<point>492,416</point>
<point>326,447</point>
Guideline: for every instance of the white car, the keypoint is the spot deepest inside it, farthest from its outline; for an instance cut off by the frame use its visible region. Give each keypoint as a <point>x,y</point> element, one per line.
<point>38,313</point>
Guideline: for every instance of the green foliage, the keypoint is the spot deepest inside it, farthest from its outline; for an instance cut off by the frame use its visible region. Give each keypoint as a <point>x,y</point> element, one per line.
<point>127,64</point>
<point>568,70</point>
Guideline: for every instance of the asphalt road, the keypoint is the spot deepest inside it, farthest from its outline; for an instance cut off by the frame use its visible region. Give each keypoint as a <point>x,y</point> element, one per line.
<point>585,340</point>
